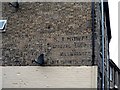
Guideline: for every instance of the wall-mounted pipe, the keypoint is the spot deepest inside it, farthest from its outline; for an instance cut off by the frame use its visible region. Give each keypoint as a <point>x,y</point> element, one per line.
<point>102,23</point>
<point>108,57</point>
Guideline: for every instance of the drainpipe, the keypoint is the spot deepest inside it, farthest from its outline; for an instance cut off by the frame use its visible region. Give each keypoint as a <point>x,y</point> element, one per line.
<point>93,30</point>
<point>102,23</point>
<point>108,57</point>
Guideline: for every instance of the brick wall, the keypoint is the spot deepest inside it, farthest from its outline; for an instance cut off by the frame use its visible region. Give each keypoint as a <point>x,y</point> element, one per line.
<point>61,31</point>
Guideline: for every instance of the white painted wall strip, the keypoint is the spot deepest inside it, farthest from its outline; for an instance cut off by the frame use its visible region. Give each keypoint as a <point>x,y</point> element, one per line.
<point>49,77</point>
